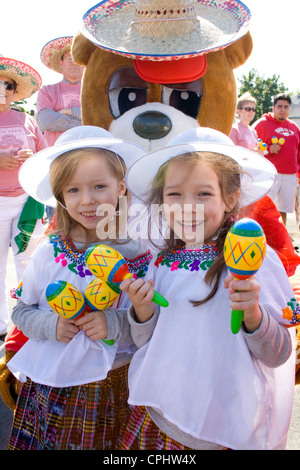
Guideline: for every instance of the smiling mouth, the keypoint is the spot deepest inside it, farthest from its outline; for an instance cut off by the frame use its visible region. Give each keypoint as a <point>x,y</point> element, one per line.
<point>89,214</point>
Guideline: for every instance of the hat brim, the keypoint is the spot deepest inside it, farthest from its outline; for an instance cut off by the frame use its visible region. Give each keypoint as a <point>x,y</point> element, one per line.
<point>256,181</point>
<point>34,173</point>
<point>27,78</point>
<point>54,50</point>
<point>108,26</point>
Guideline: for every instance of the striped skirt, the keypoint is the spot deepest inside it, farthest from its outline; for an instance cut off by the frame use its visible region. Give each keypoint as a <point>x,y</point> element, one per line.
<point>142,434</point>
<point>85,417</point>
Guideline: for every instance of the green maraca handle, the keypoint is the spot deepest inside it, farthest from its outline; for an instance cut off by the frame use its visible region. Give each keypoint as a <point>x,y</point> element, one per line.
<point>236,320</point>
<point>159,300</point>
<point>110,342</point>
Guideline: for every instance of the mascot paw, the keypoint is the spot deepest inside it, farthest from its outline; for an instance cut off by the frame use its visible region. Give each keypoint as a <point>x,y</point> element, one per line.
<point>9,385</point>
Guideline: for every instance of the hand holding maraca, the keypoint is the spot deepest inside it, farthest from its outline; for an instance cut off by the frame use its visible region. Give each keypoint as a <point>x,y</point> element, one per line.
<point>108,264</point>
<point>244,252</point>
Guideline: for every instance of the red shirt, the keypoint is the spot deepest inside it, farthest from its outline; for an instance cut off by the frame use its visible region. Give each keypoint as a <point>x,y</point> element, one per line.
<point>287,161</point>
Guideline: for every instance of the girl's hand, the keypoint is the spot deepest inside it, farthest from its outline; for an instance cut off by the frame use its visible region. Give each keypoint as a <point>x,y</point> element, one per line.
<point>244,295</point>
<point>23,155</point>
<point>94,324</point>
<point>65,330</point>
<point>8,162</point>
<point>140,293</point>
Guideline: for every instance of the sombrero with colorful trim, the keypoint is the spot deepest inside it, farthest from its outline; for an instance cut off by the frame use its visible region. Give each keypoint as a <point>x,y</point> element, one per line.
<point>164,32</point>
<point>27,79</point>
<point>54,50</point>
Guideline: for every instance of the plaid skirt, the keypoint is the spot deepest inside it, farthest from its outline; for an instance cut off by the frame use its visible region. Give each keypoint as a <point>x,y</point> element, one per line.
<point>142,434</point>
<point>85,417</point>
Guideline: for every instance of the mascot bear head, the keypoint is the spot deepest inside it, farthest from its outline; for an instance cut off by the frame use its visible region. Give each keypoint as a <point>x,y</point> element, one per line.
<point>150,97</point>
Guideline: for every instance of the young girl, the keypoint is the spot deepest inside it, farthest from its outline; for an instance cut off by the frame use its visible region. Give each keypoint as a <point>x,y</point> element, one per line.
<point>75,394</point>
<point>193,382</point>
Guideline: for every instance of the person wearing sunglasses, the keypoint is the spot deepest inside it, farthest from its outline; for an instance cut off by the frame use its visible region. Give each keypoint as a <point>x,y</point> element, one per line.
<point>20,137</point>
<point>241,133</point>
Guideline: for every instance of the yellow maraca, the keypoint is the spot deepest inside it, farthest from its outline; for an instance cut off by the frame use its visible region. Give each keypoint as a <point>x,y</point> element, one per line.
<point>68,302</point>
<point>108,264</point>
<point>244,252</point>
<point>65,299</point>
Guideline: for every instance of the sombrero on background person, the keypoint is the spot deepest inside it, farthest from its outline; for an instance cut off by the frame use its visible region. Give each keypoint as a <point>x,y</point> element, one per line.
<point>53,51</point>
<point>149,30</point>
<point>27,79</point>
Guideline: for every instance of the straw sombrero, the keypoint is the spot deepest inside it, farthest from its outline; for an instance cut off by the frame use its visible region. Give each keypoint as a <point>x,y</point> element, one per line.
<point>152,30</point>
<point>53,51</point>
<point>27,79</point>
<point>258,176</point>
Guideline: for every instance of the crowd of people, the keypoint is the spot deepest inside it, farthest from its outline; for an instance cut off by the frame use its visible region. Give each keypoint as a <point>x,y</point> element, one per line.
<point>174,377</point>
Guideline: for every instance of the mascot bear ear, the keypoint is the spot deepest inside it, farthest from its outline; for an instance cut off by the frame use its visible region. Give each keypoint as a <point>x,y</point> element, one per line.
<point>238,52</point>
<point>82,49</point>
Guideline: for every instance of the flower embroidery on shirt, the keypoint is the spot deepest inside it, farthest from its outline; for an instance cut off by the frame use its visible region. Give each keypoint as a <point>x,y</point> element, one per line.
<point>292,312</point>
<point>189,259</point>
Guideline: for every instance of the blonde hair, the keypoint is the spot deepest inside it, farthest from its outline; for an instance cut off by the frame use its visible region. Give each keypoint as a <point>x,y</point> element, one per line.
<point>61,171</point>
<point>245,98</point>
<point>229,173</point>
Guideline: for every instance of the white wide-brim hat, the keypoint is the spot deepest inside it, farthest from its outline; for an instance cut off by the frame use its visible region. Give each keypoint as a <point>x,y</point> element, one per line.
<point>28,80</point>
<point>156,30</point>
<point>257,178</point>
<point>34,173</point>
<point>53,51</point>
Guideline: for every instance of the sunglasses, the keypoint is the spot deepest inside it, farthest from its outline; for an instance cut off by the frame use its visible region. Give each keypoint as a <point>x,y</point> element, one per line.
<point>8,86</point>
<point>249,109</point>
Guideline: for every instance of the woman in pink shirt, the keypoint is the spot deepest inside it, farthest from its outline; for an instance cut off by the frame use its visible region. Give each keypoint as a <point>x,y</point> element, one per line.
<point>241,133</point>
<point>20,137</point>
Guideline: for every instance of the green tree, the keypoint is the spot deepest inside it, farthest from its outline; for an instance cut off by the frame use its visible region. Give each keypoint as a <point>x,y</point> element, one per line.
<point>263,89</point>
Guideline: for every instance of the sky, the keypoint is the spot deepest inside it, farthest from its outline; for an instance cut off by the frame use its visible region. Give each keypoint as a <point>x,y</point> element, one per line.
<point>28,25</point>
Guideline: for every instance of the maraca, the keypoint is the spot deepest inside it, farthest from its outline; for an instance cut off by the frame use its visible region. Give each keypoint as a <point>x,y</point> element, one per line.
<point>99,295</point>
<point>280,141</point>
<point>261,145</point>
<point>68,302</point>
<point>109,265</point>
<point>65,299</point>
<point>244,252</point>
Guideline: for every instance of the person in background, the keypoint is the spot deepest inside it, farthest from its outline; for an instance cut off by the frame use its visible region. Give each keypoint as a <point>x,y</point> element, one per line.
<point>241,133</point>
<point>58,105</point>
<point>285,156</point>
<point>20,137</point>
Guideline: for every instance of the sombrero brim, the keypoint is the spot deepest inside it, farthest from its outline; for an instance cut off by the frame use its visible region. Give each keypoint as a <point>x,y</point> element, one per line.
<point>259,176</point>
<point>54,50</point>
<point>27,79</point>
<point>34,173</point>
<point>107,25</point>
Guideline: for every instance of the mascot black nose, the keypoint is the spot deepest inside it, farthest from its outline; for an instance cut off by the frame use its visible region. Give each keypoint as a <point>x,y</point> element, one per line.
<point>152,125</point>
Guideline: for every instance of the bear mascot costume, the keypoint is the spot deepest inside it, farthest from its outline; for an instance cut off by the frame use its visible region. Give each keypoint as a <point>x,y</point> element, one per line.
<point>151,74</point>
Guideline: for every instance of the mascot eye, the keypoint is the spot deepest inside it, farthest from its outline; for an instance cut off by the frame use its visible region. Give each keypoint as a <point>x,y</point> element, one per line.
<point>186,101</point>
<point>123,99</point>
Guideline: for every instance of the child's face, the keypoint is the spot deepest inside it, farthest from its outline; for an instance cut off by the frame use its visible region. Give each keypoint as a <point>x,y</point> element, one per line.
<point>196,193</point>
<point>92,185</point>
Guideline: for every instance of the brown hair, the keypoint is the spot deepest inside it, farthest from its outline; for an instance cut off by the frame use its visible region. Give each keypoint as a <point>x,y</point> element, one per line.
<point>61,171</point>
<point>229,175</point>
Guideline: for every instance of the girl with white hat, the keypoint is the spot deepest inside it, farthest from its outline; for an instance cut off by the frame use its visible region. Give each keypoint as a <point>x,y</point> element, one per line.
<point>20,137</point>
<point>193,383</point>
<point>75,381</point>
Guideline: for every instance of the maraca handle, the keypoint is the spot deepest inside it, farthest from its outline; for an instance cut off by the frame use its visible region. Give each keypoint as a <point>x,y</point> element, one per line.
<point>236,320</point>
<point>159,300</point>
<point>110,342</point>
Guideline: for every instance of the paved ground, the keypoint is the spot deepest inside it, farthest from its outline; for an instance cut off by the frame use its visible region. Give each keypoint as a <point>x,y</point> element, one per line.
<point>293,442</point>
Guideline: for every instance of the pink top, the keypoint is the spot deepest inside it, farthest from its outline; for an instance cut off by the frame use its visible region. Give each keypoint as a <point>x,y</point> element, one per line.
<point>56,97</point>
<point>244,136</point>
<point>18,131</point>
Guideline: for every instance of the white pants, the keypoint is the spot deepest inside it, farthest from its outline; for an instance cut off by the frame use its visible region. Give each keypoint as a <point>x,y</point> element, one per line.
<point>283,192</point>
<point>10,211</point>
